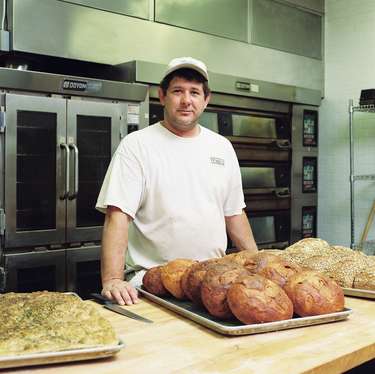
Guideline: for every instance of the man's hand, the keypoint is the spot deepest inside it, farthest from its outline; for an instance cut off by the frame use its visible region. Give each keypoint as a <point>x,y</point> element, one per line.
<point>120,291</point>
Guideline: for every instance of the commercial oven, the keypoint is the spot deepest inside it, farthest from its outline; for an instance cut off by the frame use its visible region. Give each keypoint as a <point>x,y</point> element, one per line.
<point>58,134</point>
<point>261,140</point>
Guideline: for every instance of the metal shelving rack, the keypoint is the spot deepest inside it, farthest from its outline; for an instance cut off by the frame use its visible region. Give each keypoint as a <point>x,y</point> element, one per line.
<point>353,177</point>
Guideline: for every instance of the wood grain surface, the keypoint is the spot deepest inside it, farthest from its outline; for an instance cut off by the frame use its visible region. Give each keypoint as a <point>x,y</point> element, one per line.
<point>173,344</point>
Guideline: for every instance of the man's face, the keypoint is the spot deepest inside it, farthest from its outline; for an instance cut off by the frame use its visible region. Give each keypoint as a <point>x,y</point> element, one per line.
<point>183,103</point>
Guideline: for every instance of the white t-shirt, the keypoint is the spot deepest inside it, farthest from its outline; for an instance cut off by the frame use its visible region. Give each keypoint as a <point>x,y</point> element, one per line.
<point>177,190</point>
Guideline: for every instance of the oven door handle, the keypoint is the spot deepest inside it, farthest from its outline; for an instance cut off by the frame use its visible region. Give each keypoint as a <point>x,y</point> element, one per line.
<point>281,144</point>
<point>284,194</point>
<point>73,195</point>
<point>67,171</point>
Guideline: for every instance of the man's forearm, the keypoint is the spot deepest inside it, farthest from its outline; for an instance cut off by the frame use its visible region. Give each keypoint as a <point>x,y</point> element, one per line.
<point>240,232</point>
<point>114,244</point>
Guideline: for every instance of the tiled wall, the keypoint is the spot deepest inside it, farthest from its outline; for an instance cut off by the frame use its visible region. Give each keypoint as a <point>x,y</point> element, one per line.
<point>349,67</point>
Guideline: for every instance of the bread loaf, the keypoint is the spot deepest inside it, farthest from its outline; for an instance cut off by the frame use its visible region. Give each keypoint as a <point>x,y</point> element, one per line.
<point>365,279</point>
<point>279,271</point>
<point>152,282</point>
<point>171,274</point>
<point>312,293</point>
<point>255,299</point>
<point>194,278</point>
<point>215,285</point>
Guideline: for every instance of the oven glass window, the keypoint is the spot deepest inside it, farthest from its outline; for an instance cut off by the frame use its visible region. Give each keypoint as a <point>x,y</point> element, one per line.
<point>94,144</point>
<point>258,177</point>
<point>209,120</point>
<point>251,126</point>
<point>263,229</point>
<point>36,171</point>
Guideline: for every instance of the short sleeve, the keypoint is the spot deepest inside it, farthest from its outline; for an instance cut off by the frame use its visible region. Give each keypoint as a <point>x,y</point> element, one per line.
<point>234,202</point>
<point>124,182</point>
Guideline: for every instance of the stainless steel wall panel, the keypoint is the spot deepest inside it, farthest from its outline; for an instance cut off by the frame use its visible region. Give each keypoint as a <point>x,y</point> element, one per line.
<point>226,18</point>
<point>279,26</point>
<point>135,8</point>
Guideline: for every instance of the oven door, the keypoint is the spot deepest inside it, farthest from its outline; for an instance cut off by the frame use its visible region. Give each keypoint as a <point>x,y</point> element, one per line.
<point>270,229</point>
<point>93,130</point>
<point>35,212</point>
<point>258,137</point>
<point>266,186</point>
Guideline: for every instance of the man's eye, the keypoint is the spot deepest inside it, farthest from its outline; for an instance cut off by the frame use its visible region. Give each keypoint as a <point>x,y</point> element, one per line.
<point>195,93</point>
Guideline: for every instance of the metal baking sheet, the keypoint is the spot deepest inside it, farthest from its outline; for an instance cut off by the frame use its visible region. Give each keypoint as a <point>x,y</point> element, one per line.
<point>356,292</point>
<point>235,327</point>
<point>44,358</point>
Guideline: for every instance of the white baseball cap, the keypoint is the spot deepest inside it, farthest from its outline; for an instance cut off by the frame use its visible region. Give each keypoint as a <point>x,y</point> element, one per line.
<point>187,63</point>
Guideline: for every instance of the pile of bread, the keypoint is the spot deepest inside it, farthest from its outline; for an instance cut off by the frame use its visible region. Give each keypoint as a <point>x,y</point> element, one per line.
<point>254,288</point>
<point>349,268</point>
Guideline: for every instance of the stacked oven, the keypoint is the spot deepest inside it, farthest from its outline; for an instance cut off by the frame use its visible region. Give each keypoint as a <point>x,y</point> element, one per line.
<point>57,136</point>
<point>262,140</point>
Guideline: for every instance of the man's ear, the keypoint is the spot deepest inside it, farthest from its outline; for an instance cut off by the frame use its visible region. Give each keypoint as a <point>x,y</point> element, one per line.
<point>161,96</point>
<point>207,99</point>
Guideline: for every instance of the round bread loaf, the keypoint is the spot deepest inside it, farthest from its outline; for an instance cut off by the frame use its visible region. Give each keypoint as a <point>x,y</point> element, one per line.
<point>241,257</point>
<point>215,285</point>
<point>192,280</point>
<point>255,299</point>
<point>171,274</point>
<point>279,271</point>
<point>184,279</point>
<point>312,293</point>
<point>260,261</point>
<point>152,281</point>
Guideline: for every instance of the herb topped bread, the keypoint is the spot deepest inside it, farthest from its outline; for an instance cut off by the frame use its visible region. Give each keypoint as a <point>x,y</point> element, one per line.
<point>50,321</point>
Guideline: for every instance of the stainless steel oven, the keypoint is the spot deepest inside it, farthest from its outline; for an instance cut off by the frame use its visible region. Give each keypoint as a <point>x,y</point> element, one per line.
<point>56,155</point>
<point>261,139</point>
<point>57,137</point>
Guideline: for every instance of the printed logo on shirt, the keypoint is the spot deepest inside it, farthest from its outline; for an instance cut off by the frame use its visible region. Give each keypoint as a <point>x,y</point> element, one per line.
<point>217,161</point>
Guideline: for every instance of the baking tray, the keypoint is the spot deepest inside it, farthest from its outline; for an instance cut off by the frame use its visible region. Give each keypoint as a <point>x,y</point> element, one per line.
<point>356,292</point>
<point>70,355</point>
<point>235,327</point>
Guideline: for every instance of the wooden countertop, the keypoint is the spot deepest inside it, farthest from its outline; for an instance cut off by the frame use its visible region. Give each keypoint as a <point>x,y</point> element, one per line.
<point>175,344</point>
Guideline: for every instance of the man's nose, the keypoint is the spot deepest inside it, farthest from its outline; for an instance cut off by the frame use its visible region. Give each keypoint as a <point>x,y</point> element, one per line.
<point>186,98</point>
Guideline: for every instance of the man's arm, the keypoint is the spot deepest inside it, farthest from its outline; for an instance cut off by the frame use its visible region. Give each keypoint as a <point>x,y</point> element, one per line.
<point>239,230</point>
<point>114,244</point>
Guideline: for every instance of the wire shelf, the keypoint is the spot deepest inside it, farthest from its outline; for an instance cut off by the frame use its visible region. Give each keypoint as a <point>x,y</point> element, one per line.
<point>364,108</point>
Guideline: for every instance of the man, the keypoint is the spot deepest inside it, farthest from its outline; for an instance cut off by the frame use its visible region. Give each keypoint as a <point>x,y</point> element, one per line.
<point>172,190</point>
